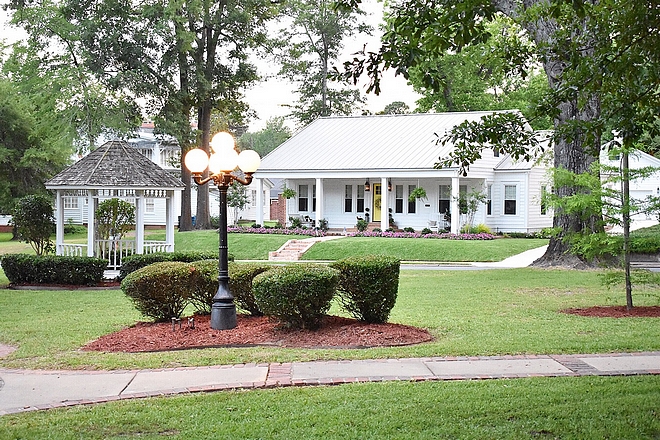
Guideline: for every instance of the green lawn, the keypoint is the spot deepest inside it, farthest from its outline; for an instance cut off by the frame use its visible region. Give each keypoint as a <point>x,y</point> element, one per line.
<point>536,408</point>
<point>469,312</point>
<point>423,249</point>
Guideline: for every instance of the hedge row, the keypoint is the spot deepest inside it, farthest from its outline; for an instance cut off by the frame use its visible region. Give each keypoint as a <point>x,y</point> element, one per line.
<point>52,269</point>
<point>297,295</point>
<point>137,261</point>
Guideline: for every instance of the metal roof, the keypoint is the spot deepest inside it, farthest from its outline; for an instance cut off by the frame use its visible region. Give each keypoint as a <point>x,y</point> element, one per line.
<point>114,164</point>
<point>367,143</point>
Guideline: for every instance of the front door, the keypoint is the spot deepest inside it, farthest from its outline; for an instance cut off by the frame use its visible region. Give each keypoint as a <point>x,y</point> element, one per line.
<point>377,202</point>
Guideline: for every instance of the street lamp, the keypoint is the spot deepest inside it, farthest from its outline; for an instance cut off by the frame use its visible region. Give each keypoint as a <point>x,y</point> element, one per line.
<point>224,159</point>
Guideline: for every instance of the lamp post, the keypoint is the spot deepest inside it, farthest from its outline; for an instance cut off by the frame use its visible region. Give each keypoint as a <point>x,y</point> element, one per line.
<point>224,159</point>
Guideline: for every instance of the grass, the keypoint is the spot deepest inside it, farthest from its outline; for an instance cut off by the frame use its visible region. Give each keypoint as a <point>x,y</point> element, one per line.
<point>421,249</point>
<point>469,313</point>
<point>567,408</point>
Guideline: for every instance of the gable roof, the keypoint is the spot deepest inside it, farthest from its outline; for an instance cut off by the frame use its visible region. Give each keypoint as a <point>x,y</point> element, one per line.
<point>367,142</point>
<point>114,164</point>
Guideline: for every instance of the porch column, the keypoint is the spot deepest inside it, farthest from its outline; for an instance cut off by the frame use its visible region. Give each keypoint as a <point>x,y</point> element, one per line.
<point>139,222</point>
<point>59,223</point>
<point>169,221</point>
<point>455,209</point>
<point>384,209</point>
<point>319,202</point>
<point>91,222</point>
<point>260,201</point>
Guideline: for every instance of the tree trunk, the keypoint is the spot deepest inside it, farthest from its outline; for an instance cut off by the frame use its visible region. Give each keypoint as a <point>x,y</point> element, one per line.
<point>185,221</point>
<point>571,148</point>
<point>203,218</point>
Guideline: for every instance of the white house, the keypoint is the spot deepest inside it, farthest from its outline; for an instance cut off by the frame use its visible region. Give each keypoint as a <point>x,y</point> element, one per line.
<point>342,168</point>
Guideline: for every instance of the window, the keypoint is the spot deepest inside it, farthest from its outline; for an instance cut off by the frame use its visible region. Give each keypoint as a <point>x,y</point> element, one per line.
<point>303,198</point>
<point>496,152</point>
<point>444,199</point>
<point>489,200</point>
<point>509,199</point>
<point>360,198</point>
<point>348,198</point>
<point>149,205</point>
<point>462,199</point>
<point>412,206</point>
<point>253,201</point>
<point>398,199</point>
<point>544,195</point>
<point>70,202</point>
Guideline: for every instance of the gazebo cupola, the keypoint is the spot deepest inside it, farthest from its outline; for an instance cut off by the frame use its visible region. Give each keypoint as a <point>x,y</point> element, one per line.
<point>115,170</point>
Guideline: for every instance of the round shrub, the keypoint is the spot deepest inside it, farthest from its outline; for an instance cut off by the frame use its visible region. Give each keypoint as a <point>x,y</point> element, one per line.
<point>240,285</point>
<point>298,296</point>
<point>368,286</point>
<point>134,262</point>
<point>161,290</point>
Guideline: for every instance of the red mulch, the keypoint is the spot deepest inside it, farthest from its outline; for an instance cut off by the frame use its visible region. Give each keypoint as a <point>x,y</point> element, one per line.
<point>617,312</point>
<point>335,332</point>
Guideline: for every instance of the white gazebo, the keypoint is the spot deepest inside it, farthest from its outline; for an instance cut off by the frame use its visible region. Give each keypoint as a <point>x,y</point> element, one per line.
<point>115,170</point>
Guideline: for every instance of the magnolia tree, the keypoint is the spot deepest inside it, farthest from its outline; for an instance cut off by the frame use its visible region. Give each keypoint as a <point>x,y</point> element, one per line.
<point>34,222</point>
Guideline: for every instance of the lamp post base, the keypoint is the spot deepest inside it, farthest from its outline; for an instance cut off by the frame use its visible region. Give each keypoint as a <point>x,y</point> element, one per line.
<point>223,316</point>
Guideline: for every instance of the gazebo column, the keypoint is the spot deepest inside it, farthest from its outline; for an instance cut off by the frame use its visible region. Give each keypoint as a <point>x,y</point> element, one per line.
<point>91,222</point>
<point>169,221</point>
<point>384,208</point>
<point>455,208</point>
<point>260,201</point>
<point>139,222</point>
<point>319,202</point>
<point>59,223</point>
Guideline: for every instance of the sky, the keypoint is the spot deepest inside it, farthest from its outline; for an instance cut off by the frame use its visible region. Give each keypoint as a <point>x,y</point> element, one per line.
<point>268,98</point>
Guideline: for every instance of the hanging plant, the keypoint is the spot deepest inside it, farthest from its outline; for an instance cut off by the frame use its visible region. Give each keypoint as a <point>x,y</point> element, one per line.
<point>288,193</point>
<point>417,193</point>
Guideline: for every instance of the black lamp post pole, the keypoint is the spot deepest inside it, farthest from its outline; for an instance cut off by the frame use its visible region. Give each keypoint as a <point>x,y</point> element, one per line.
<point>223,310</point>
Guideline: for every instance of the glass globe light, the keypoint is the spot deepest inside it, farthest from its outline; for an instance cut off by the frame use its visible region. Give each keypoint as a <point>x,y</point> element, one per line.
<point>224,161</point>
<point>222,141</point>
<point>196,160</point>
<point>249,161</point>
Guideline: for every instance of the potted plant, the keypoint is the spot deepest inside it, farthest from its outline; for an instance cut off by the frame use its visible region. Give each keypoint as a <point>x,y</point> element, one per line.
<point>417,193</point>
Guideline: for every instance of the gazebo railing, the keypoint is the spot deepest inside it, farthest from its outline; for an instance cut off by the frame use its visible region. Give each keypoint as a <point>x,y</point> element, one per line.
<point>115,250</point>
<point>72,250</point>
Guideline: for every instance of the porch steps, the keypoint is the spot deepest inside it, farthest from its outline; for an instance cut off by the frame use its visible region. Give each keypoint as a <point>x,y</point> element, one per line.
<point>293,249</point>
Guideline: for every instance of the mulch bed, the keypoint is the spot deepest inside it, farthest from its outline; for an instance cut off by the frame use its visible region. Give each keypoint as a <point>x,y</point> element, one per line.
<point>335,332</point>
<point>616,312</point>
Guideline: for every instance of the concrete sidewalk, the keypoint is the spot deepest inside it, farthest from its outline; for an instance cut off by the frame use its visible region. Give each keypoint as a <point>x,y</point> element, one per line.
<point>29,390</point>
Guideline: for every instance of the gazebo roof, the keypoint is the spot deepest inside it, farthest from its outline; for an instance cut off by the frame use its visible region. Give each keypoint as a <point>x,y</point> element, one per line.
<point>114,164</point>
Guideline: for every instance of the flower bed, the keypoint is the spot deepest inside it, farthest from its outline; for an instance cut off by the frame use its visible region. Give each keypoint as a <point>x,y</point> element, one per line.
<point>281,231</point>
<point>387,234</point>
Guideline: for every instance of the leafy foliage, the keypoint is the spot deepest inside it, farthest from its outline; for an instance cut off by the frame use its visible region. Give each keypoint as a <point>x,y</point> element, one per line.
<point>241,276</point>
<point>310,44</point>
<point>34,222</point>
<point>115,218</point>
<point>134,262</point>
<point>51,269</point>
<point>160,291</point>
<point>266,140</point>
<point>368,286</point>
<point>299,296</point>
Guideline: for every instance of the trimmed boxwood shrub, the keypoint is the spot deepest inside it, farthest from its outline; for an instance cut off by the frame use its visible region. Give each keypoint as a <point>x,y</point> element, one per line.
<point>136,261</point>
<point>161,290</point>
<point>368,286</point>
<point>240,285</point>
<point>298,296</point>
<point>53,269</point>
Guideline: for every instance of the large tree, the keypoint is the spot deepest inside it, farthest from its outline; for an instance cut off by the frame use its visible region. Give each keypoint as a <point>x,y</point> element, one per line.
<point>31,150</point>
<point>267,139</point>
<point>186,58</point>
<point>419,29</point>
<point>311,40</point>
